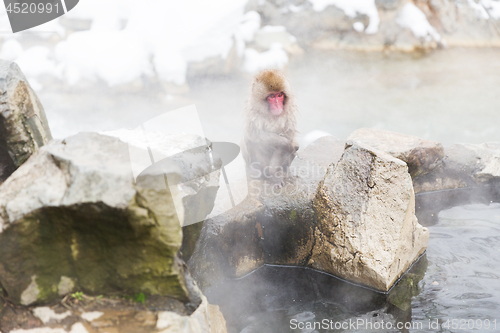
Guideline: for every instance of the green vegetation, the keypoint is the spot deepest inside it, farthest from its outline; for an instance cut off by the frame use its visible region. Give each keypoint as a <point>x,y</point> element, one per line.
<point>138,298</point>
<point>78,295</point>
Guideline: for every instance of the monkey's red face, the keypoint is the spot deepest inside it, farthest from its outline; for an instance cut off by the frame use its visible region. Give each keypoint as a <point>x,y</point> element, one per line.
<point>275,101</point>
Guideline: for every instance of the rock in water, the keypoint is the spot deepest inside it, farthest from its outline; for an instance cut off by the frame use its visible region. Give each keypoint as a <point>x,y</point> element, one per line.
<point>23,125</point>
<point>367,231</point>
<point>464,165</point>
<point>72,219</point>
<point>421,155</point>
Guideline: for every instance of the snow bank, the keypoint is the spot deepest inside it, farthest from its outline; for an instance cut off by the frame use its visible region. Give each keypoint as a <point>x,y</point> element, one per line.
<point>493,8</point>
<point>486,8</point>
<point>35,61</point>
<point>275,57</point>
<point>351,8</point>
<point>250,24</point>
<point>413,18</point>
<point>129,39</point>
<point>117,57</point>
<point>171,34</point>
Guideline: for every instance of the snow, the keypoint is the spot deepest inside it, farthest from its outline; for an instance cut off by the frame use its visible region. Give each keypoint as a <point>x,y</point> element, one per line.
<point>275,57</point>
<point>273,28</point>
<point>46,314</point>
<point>128,39</point>
<point>159,37</point>
<point>493,8</point>
<point>249,25</point>
<point>413,18</point>
<point>358,26</point>
<point>479,9</point>
<point>101,55</point>
<point>76,328</point>
<point>295,9</point>
<point>11,49</point>
<point>351,8</point>
<point>90,316</point>
<point>35,62</point>
<point>110,9</point>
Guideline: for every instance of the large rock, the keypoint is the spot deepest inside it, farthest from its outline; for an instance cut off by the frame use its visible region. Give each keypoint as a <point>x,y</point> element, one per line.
<point>367,231</point>
<point>387,25</point>
<point>198,184</point>
<point>229,245</point>
<point>23,124</point>
<point>420,155</point>
<point>464,165</point>
<point>72,218</point>
<point>272,226</point>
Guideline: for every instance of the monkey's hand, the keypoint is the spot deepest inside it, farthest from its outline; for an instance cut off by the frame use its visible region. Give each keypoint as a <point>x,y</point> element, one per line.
<point>277,141</point>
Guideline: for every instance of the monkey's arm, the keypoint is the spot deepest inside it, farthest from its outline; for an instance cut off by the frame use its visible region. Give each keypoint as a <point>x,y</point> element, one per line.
<point>270,140</point>
<point>290,135</point>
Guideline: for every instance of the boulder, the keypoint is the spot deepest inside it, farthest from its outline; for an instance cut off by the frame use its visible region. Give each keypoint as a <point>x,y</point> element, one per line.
<point>420,155</point>
<point>207,318</point>
<point>229,244</point>
<point>72,218</point>
<point>288,229</point>
<point>198,184</point>
<point>464,165</point>
<point>384,24</point>
<point>271,226</point>
<point>367,231</point>
<point>23,124</point>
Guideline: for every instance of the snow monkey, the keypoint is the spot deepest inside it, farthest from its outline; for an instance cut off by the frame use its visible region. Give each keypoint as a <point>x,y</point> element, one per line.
<point>269,144</point>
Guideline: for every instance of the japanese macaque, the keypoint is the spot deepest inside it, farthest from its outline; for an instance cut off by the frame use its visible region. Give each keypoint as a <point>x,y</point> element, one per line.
<point>269,144</point>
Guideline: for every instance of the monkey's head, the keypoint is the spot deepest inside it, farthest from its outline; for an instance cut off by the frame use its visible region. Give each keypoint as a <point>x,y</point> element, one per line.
<point>271,91</point>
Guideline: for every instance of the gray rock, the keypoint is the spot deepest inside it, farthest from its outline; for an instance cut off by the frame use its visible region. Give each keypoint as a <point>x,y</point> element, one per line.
<point>421,155</point>
<point>72,218</point>
<point>387,4</point>
<point>272,226</point>
<point>464,165</point>
<point>458,23</point>
<point>206,318</point>
<point>23,124</point>
<point>229,245</point>
<point>367,231</point>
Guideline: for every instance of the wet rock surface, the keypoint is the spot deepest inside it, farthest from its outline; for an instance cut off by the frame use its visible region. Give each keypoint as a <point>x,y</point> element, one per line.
<point>85,314</point>
<point>23,124</point>
<point>359,223</point>
<point>371,237</point>
<point>420,155</point>
<point>270,226</point>
<point>463,166</point>
<point>73,219</point>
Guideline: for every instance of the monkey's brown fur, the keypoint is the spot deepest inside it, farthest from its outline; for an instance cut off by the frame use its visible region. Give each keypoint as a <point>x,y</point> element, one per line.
<point>269,143</point>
